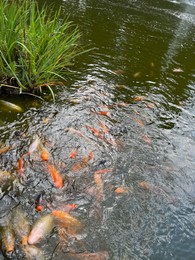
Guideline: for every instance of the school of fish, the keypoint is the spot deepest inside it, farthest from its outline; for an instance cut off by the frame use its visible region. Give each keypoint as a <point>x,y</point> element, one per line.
<point>18,226</point>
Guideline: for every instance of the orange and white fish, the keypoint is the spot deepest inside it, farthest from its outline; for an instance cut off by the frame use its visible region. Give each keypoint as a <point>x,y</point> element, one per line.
<point>33,147</point>
<point>58,181</point>
<point>41,229</point>
<point>64,219</point>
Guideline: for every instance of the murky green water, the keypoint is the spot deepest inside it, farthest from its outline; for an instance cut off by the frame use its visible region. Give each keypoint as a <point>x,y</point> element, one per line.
<point>141,49</point>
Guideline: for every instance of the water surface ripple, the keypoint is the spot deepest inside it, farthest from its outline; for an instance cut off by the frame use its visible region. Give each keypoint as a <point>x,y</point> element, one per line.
<point>130,103</point>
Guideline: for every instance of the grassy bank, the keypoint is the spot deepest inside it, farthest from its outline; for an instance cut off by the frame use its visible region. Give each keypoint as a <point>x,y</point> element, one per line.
<point>36,46</point>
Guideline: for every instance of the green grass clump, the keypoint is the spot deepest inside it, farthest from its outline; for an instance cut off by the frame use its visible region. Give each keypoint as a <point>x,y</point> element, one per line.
<point>36,46</point>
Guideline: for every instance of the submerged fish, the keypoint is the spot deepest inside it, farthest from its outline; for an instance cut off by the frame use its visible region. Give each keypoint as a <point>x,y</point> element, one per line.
<point>10,106</point>
<point>67,221</point>
<point>5,149</point>
<point>73,153</point>
<point>102,255</point>
<point>41,229</point>
<point>20,167</point>
<point>33,147</point>
<point>44,154</point>
<point>95,131</point>
<point>104,127</point>
<point>39,203</point>
<point>21,225</point>
<point>139,122</point>
<point>121,190</point>
<point>99,183</point>
<point>8,238</point>
<point>33,253</point>
<point>58,181</point>
<point>102,171</point>
<point>83,163</point>
<point>103,113</point>
<point>4,176</point>
<point>68,207</point>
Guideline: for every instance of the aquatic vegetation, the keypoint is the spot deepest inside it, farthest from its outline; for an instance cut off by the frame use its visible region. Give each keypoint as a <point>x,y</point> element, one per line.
<point>36,46</point>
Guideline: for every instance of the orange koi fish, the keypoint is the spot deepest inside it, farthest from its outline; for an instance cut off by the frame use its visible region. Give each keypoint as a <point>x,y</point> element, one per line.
<point>64,219</point>
<point>78,166</point>
<point>83,163</point>
<point>99,183</point>
<point>21,165</point>
<point>41,229</point>
<point>104,113</point>
<point>147,139</point>
<point>68,207</point>
<point>145,185</point>
<point>86,159</point>
<point>139,98</point>
<point>150,105</point>
<point>79,133</point>
<point>121,190</point>
<point>138,121</point>
<point>5,149</point>
<point>58,181</point>
<point>104,127</point>
<point>73,153</point>
<point>44,154</point>
<point>95,131</point>
<point>102,171</point>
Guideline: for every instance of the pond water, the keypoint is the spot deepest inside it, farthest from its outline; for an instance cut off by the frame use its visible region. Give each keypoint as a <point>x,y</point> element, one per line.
<point>128,104</point>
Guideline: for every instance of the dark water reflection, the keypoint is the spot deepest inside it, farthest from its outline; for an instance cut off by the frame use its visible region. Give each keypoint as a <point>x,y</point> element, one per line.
<point>140,49</point>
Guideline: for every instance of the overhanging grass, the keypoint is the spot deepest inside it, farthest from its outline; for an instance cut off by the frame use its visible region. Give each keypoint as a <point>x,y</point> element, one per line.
<point>36,46</point>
